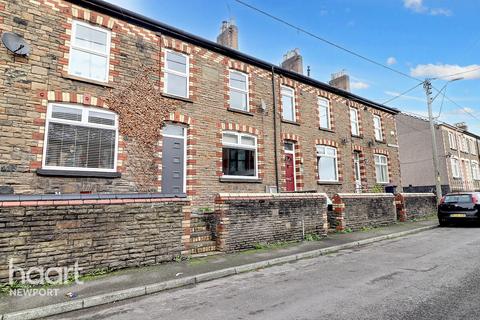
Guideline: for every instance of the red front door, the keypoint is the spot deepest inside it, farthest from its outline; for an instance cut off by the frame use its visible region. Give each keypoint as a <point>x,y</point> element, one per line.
<point>290,172</point>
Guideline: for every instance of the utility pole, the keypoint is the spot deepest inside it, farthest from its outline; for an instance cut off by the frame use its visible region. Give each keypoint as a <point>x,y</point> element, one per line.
<point>427,85</point>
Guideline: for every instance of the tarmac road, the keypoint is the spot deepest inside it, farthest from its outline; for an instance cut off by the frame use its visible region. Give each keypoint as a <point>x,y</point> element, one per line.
<point>430,275</point>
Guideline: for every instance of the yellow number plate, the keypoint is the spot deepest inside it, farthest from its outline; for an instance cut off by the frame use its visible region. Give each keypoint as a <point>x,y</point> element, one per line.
<point>457,215</point>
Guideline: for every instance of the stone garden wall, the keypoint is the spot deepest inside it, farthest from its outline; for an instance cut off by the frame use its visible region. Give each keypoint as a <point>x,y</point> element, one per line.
<point>243,220</point>
<point>107,233</point>
<point>357,210</point>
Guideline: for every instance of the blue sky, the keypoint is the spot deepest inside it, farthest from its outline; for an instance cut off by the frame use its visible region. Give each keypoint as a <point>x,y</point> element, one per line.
<point>423,38</point>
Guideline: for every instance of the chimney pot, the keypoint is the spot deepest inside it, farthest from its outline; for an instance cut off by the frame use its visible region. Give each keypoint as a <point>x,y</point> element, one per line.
<point>340,80</point>
<point>461,125</point>
<point>228,34</point>
<point>293,61</point>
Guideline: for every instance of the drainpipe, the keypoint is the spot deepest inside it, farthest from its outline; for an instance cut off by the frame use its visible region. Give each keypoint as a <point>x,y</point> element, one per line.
<point>275,142</point>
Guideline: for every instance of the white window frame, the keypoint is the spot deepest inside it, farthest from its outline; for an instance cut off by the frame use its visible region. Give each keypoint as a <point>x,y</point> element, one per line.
<point>377,127</point>
<point>376,162</point>
<point>240,90</point>
<point>464,144</point>
<point>90,51</point>
<point>357,169</point>
<point>291,95</point>
<point>239,145</point>
<point>319,179</point>
<point>473,148</point>
<point>455,166</point>
<point>83,123</point>
<point>475,170</point>
<point>468,169</point>
<point>292,152</point>
<point>354,121</point>
<point>452,140</point>
<point>327,109</point>
<point>177,73</point>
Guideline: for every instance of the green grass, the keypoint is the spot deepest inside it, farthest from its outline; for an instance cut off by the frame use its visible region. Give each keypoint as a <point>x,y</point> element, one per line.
<point>312,237</point>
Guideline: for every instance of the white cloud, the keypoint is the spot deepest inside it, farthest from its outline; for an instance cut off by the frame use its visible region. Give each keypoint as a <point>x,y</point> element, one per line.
<point>391,61</point>
<point>415,5</point>
<point>323,12</point>
<point>359,85</point>
<point>419,7</point>
<point>440,12</point>
<point>463,110</point>
<point>446,71</point>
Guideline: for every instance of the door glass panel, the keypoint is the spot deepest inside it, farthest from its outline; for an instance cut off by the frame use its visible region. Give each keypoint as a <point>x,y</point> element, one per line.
<point>173,130</point>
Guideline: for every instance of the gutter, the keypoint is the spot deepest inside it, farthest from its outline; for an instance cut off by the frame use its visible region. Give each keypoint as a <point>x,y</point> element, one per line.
<point>154,25</point>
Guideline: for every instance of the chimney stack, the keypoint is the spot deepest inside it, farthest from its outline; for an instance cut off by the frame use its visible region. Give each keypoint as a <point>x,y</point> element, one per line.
<point>293,61</point>
<point>340,80</point>
<point>228,34</point>
<point>462,126</point>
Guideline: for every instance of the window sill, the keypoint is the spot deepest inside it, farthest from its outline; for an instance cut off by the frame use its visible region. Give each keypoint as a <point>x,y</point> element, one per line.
<point>240,180</point>
<point>171,96</point>
<point>291,122</point>
<point>380,141</point>
<point>78,173</point>
<point>86,80</point>
<point>325,129</point>
<point>328,182</point>
<point>247,113</point>
<point>357,136</point>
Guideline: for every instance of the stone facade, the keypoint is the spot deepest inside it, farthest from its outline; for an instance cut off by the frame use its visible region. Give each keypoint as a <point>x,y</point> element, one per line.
<point>411,206</point>
<point>30,84</point>
<point>354,211</point>
<point>99,234</point>
<point>243,220</point>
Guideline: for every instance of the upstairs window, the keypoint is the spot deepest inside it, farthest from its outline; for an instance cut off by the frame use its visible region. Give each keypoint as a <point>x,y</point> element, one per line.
<point>288,103</point>
<point>354,125</point>
<point>377,125</point>
<point>464,144</point>
<point>455,164</point>
<point>89,52</point>
<point>381,168</point>
<point>473,147</point>
<point>327,164</point>
<point>238,84</point>
<point>452,141</point>
<point>239,155</point>
<point>176,74</point>
<point>324,112</point>
<point>80,138</point>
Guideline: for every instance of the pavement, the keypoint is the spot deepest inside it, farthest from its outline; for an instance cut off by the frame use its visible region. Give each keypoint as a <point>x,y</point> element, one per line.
<point>136,282</point>
<point>433,275</point>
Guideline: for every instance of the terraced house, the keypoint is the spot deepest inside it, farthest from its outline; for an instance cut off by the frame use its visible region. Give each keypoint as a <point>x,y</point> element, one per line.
<point>457,149</point>
<point>109,101</point>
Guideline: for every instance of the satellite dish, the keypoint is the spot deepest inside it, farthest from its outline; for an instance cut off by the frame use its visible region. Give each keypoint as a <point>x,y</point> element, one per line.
<point>16,44</point>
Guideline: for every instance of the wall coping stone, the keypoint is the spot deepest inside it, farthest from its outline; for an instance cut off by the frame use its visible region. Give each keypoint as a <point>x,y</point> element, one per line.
<point>80,199</point>
<point>427,194</point>
<point>366,195</point>
<point>280,196</point>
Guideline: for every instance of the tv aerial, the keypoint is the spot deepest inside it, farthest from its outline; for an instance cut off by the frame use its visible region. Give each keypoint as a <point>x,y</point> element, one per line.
<point>15,44</point>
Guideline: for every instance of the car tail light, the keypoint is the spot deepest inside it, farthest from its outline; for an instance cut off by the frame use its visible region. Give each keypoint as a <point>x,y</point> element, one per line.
<point>474,199</point>
<point>442,200</point>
